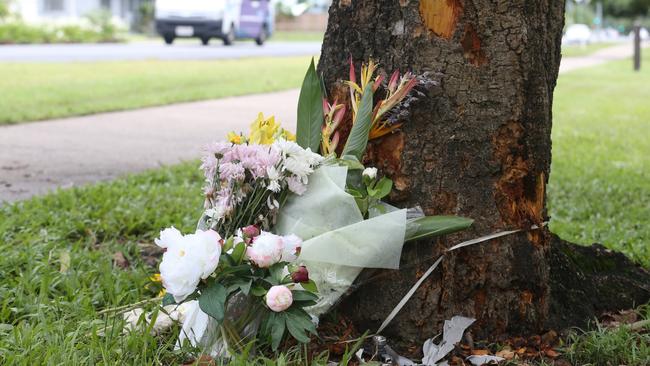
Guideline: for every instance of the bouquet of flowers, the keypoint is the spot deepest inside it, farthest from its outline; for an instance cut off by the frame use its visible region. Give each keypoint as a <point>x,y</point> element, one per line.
<point>291,221</point>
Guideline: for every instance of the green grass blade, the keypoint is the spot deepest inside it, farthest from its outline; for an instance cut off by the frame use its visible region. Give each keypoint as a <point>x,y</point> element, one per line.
<point>429,226</point>
<point>358,139</point>
<point>310,111</point>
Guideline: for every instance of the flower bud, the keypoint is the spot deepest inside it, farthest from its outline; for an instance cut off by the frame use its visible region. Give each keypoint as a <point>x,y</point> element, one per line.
<point>300,275</point>
<point>250,231</point>
<point>279,298</point>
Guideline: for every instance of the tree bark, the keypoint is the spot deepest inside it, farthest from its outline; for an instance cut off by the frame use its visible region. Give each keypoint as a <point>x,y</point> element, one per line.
<point>477,145</point>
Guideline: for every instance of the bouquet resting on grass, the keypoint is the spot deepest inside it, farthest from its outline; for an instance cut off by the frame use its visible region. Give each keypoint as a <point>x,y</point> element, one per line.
<point>290,221</point>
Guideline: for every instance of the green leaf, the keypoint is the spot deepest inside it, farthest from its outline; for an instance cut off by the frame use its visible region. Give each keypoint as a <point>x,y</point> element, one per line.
<point>238,252</point>
<point>301,318</point>
<point>428,226</point>
<point>278,323</point>
<point>245,287</point>
<point>358,139</point>
<point>297,332</point>
<point>299,295</point>
<point>258,290</point>
<point>213,301</point>
<point>381,189</point>
<point>351,162</point>
<point>310,286</point>
<point>277,273</point>
<point>310,111</point>
<point>168,299</point>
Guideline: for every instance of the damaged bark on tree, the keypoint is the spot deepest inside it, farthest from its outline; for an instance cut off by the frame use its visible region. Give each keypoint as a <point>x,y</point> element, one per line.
<point>477,145</point>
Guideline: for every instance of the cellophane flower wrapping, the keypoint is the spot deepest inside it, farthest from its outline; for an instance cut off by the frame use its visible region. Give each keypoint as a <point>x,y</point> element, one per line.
<point>338,243</point>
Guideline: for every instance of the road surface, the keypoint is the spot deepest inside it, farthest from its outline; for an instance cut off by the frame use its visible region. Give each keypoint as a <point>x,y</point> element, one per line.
<point>152,51</point>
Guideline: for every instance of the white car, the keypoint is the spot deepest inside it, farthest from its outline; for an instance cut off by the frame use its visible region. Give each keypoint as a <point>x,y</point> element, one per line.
<point>577,34</point>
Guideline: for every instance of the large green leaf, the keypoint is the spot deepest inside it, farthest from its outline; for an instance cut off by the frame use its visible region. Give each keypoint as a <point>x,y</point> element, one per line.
<point>428,226</point>
<point>358,139</point>
<point>213,301</point>
<point>278,325</point>
<point>310,111</point>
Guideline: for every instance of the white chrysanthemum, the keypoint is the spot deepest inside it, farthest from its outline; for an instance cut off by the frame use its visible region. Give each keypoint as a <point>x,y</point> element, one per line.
<point>187,260</point>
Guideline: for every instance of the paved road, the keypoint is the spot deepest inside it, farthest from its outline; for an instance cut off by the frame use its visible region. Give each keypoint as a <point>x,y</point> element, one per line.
<point>152,50</point>
<point>38,157</point>
<point>599,57</point>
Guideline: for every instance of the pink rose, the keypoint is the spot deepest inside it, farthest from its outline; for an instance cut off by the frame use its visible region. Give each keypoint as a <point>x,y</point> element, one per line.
<point>279,298</point>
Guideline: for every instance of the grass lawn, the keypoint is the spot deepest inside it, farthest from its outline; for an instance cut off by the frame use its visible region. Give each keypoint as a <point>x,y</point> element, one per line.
<point>42,91</point>
<point>599,188</point>
<point>57,250</point>
<point>576,50</point>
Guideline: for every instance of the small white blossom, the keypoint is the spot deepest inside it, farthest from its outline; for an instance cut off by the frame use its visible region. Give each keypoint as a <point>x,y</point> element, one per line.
<point>370,173</point>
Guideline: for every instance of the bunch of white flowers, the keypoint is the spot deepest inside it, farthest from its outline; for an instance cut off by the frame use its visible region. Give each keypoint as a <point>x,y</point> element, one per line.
<point>187,259</point>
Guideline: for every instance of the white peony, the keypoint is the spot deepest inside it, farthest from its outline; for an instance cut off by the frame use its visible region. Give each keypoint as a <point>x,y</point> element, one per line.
<point>187,260</point>
<point>291,247</point>
<point>266,249</point>
<point>370,173</point>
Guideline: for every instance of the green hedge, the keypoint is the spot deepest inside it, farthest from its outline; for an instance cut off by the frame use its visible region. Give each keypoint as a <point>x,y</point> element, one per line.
<point>17,32</point>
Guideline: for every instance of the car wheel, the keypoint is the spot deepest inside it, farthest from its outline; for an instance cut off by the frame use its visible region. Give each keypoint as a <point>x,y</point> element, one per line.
<point>230,36</point>
<point>168,39</point>
<point>261,38</point>
<point>205,41</point>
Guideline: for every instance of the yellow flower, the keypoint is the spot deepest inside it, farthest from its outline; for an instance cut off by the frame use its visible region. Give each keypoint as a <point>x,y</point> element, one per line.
<point>263,131</point>
<point>156,278</point>
<point>288,135</point>
<point>235,138</point>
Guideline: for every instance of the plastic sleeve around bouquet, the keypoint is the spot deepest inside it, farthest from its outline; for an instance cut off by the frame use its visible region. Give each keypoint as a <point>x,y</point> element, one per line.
<point>338,243</point>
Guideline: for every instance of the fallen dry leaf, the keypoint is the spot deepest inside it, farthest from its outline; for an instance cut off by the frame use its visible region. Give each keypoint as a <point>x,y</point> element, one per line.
<point>506,353</point>
<point>119,260</point>
<point>480,352</point>
<point>552,353</point>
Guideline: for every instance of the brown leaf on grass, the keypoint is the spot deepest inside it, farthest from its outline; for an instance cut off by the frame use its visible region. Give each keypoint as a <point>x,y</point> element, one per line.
<point>506,353</point>
<point>551,353</point>
<point>204,360</point>
<point>119,260</point>
<point>480,352</point>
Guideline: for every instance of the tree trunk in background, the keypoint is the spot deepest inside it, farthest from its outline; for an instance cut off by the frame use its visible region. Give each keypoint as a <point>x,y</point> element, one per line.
<point>478,145</point>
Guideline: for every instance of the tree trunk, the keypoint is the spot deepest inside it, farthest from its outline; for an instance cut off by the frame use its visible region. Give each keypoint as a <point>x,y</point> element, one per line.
<point>477,145</point>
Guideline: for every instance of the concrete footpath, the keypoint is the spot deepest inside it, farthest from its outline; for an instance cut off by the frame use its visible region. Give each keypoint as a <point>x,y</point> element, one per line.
<point>38,157</point>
